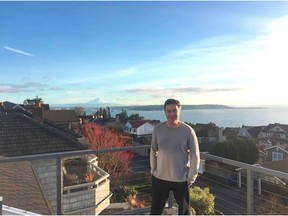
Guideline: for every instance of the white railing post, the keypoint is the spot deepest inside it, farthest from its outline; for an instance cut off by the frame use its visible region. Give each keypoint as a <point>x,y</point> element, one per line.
<point>259,186</point>
<point>250,192</point>
<point>239,180</point>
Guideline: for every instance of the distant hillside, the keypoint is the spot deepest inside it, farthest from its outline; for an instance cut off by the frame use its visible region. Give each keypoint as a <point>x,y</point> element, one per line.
<point>145,107</point>
<point>184,107</point>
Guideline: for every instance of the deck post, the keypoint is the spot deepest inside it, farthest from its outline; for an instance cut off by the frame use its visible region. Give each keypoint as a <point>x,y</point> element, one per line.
<point>250,192</point>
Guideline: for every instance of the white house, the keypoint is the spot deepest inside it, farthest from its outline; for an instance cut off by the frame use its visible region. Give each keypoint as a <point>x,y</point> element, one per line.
<point>250,131</point>
<point>140,127</point>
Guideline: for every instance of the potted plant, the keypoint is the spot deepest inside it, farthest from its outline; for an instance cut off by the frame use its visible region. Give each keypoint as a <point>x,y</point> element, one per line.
<point>89,176</point>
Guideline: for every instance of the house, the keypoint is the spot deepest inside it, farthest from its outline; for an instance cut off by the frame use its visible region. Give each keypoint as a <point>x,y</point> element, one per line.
<point>21,134</point>
<point>140,127</point>
<point>276,153</point>
<point>230,132</point>
<point>208,135</point>
<point>86,118</point>
<point>66,118</point>
<point>275,134</point>
<point>10,105</point>
<point>250,131</point>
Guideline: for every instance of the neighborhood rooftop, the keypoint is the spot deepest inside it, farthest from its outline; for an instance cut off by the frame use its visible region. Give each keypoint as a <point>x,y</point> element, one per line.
<point>50,186</point>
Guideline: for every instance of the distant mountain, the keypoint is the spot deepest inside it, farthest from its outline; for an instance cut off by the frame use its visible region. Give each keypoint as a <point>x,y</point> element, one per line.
<point>97,103</point>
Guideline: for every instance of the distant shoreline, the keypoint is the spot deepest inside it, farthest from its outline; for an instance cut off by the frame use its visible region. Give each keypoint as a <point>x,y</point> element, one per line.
<point>152,107</point>
<point>187,107</point>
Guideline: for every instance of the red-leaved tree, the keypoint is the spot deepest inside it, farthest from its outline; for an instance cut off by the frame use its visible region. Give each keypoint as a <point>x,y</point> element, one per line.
<point>115,163</point>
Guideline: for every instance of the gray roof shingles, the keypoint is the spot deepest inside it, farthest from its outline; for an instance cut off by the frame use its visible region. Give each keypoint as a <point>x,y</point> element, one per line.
<point>270,126</point>
<point>22,135</point>
<point>281,165</point>
<point>59,116</point>
<point>19,188</point>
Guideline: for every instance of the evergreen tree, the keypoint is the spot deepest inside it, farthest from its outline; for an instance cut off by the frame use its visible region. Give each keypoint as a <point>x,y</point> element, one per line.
<point>108,110</point>
<point>103,113</point>
<point>123,116</point>
<point>135,117</point>
<point>243,150</point>
<point>79,110</point>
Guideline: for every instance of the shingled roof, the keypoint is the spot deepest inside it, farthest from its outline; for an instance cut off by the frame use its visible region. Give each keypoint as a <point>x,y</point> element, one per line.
<point>22,135</point>
<point>270,126</point>
<point>61,116</point>
<point>10,105</point>
<point>281,165</point>
<point>138,123</point>
<point>19,188</point>
<point>253,130</point>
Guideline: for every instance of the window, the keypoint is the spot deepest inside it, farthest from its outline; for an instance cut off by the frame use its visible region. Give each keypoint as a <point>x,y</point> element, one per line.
<point>276,156</point>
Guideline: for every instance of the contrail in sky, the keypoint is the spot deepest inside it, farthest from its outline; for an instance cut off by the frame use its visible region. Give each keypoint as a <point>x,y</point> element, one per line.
<point>17,51</point>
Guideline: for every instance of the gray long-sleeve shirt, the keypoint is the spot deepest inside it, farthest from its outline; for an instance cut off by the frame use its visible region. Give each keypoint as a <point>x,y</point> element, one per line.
<point>174,154</point>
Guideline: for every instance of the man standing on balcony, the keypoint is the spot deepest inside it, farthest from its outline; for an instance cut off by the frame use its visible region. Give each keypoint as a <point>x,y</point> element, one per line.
<point>174,160</point>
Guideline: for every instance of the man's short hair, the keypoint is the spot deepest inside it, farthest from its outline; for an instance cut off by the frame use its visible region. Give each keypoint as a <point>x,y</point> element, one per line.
<point>172,101</point>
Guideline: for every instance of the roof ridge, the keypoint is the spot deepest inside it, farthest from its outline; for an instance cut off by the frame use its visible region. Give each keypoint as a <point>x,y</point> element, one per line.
<point>51,129</point>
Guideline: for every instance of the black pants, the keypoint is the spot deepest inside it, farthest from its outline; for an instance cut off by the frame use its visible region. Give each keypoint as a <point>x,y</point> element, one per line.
<point>160,194</point>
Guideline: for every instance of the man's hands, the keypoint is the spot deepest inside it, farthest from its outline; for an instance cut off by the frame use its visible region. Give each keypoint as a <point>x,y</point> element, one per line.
<point>190,183</point>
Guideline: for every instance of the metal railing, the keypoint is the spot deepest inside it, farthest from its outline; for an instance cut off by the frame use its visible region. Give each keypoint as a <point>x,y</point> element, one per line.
<point>237,195</point>
<point>252,175</point>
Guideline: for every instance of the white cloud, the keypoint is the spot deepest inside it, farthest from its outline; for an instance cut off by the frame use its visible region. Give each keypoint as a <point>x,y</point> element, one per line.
<point>228,69</point>
<point>24,87</point>
<point>17,51</point>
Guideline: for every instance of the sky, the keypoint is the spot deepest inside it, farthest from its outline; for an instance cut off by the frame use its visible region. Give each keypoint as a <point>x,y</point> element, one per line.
<point>141,53</point>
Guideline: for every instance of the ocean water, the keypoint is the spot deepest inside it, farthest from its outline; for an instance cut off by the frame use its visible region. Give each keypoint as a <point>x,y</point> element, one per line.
<point>225,117</point>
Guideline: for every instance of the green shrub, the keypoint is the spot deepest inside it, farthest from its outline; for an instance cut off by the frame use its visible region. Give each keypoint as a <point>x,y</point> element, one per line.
<point>202,201</point>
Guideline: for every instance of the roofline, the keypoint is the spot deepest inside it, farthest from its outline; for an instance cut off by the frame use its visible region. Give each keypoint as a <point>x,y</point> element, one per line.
<point>275,147</point>
<point>53,130</point>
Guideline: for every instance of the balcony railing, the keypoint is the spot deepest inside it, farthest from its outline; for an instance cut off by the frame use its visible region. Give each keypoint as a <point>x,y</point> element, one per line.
<point>90,192</point>
<point>238,188</point>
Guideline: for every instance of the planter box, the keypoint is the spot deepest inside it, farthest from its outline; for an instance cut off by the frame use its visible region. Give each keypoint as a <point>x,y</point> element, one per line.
<point>87,198</point>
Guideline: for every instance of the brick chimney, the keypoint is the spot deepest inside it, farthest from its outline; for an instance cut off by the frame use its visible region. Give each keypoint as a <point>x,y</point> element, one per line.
<point>2,106</point>
<point>37,112</point>
<point>38,104</point>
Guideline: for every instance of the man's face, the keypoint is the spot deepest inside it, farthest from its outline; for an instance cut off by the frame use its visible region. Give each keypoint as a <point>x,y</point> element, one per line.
<point>172,112</point>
